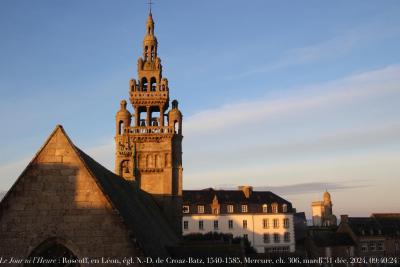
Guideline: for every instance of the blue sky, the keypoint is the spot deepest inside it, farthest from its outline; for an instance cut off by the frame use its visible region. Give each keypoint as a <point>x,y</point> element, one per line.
<point>289,96</point>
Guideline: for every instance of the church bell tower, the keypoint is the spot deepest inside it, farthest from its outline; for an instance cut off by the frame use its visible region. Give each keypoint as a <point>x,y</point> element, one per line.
<point>149,141</point>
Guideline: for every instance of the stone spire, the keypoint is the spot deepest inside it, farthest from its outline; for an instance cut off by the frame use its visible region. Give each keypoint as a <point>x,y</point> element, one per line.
<point>150,41</point>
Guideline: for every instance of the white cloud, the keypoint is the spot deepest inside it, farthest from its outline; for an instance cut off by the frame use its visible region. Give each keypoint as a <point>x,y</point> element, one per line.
<point>353,88</point>
<point>326,49</point>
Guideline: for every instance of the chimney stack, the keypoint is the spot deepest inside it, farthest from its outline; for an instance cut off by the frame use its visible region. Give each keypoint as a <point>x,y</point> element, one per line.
<point>247,190</point>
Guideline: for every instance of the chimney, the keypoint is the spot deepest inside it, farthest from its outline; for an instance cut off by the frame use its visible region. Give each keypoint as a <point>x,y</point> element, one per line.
<point>247,190</point>
<point>344,218</point>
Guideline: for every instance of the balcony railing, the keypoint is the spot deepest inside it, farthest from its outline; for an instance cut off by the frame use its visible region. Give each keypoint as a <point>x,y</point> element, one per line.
<point>149,94</point>
<point>151,130</point>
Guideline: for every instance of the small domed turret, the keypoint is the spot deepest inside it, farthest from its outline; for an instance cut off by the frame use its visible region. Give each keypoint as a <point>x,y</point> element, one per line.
<point>123,118</point>
<point>175,117</point>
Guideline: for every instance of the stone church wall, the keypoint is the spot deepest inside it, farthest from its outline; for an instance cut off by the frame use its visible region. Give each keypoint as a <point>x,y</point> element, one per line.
<point>57,198</point>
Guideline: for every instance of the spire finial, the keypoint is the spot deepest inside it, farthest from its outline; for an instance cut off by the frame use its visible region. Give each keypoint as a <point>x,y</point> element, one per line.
<point>150,3</point>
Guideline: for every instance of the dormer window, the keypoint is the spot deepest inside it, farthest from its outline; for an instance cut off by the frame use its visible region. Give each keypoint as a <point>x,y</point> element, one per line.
<point>215,211</point>
<point>284,208</point>
<point>265,208</point>
<point>244,208</point>
<point>185,209</point>
<point>275,208</point>
<point>229,209</point>
<point>200,209</point>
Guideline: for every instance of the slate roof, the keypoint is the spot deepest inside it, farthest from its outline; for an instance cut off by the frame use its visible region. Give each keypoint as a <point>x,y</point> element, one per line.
<point>206,196</point>
<point>389,222</point>
<point>365,226</point>
<point>137,208</point>
<point>330,238</point>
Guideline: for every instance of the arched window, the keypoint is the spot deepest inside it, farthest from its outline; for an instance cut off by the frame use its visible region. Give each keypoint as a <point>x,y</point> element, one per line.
<point>146,52</point>
<point>176,126</point>
<point>120,127</point>
<point>158,161</point>
<point>275,208</point>
<point>153,53</point>
<point>284,208</point>
<point>144,84</point>
<point>149,161</point>
<point>54,248</point>
<point>154,122</point>
<point>124,167</point>
<point>264,208</point>
<point>153,84</point>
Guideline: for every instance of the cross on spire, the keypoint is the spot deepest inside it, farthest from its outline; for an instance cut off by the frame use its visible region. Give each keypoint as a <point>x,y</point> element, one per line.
<point>150,3</point>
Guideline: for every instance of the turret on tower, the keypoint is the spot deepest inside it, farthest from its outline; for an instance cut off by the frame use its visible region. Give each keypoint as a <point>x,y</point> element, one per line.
<point>149,148</point>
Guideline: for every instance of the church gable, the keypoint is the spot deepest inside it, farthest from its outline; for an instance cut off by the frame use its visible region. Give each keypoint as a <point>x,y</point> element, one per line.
<point>57,197</point>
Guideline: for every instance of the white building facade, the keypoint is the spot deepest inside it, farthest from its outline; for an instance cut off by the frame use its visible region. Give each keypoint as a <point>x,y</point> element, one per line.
<point>262,217</point>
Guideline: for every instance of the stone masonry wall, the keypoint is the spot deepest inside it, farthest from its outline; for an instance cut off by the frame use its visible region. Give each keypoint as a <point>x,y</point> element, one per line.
<point>57,198</point>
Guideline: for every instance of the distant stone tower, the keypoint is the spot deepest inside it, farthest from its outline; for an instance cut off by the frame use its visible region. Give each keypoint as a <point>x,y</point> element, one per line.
<point>322,212</point>
<point>149,150</point>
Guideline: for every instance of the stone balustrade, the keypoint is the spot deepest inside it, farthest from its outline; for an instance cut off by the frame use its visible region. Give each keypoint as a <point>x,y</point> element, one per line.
<point>151,130</point>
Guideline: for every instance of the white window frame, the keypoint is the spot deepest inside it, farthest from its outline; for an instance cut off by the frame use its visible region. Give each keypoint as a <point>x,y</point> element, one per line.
<point>200,208</point>
<point>275,223</point>
<point>275,208</point>
<point>229,208</point>
<point>185,225</point>
<point>277,238</point>
<point>266,238</point>
<point>216,224</point>
<point>284,208</point>
<point>244,224</point>
<point>185,209</point>
<point>264,208</point>
<point>244,208</point>
<point>286,237</point>
<point>230,224</point>
<point>265,223</point>
<point>286,223</point>
<point>201,225</point>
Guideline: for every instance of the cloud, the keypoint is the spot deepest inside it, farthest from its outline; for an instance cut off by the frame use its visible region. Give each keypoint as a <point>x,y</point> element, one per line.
<point>302,55</point>
<point>326,49</point>
<point>353,88</point>
<point>340,140</point>
<point>312,187</point>
<point>304,188</point>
